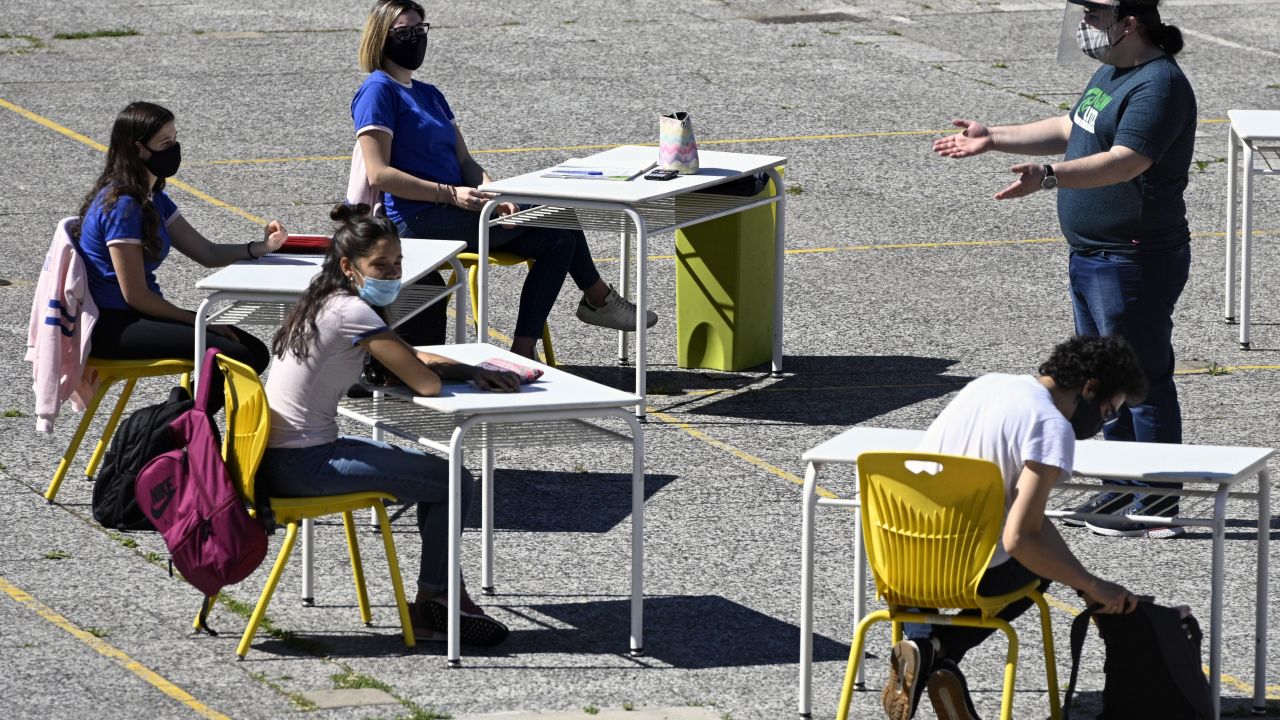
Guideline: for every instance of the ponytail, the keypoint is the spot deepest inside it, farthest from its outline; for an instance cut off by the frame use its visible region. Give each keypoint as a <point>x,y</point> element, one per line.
<point>357,234</point>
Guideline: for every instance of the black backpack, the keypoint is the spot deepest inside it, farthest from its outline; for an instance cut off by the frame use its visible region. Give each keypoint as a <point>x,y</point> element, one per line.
<point>139,438</point>
<point>1153,665</point>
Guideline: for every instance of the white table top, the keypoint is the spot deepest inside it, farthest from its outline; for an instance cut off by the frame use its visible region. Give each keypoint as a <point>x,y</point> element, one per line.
<point>714,167</point>
<point>1256,124</point>
<point>291,274</point>
<point>555,390</point>
<point>1096,458</point>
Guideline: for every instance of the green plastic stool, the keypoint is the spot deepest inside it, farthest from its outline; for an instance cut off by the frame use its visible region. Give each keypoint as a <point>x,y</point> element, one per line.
<point>724,290</point>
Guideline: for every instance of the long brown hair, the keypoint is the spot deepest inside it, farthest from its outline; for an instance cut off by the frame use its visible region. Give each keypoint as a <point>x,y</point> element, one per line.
<point>356,237</point>
<point>126,175</point>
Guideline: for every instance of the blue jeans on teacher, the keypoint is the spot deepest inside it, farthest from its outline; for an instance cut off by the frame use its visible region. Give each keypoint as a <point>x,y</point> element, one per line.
<point>352,464</point>
<point>555,253</point>
<point>955,640</point>
<point>1133,296</point>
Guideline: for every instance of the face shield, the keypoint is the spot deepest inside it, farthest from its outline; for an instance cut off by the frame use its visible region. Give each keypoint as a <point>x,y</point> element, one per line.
<point>1099,14</point>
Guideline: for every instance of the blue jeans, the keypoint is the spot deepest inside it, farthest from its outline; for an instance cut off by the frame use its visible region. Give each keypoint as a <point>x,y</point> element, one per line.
<point>556,253</point>
<point>1133,296</point>
<point>955,640</point>
<point>351,464</point>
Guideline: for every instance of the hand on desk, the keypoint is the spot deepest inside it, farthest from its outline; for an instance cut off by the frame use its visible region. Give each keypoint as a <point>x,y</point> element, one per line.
<point>496,381</point>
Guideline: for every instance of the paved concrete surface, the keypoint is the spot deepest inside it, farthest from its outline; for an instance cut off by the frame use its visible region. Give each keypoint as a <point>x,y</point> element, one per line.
<point>906,281</point>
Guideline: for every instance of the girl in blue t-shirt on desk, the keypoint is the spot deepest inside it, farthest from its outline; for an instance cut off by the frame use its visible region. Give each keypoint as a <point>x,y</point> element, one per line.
<point>414,152</point>
<point>128,225</point>
<point>319,352</point>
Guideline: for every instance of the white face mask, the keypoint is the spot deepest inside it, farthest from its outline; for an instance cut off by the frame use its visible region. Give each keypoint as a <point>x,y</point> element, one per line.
<point>1094,42</point>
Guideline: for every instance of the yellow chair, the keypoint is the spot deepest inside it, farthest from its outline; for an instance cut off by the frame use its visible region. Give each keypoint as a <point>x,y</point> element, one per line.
<point>929,539</point>
<point>471,261</point>
<point>111,372</point>
<point>248,422</point>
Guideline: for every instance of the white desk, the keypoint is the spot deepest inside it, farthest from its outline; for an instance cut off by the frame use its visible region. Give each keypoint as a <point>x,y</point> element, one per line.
<point>1219,470</point>
<point>1257,134</point>
<point>258,292</point>
<point>642,207</point>
<point>549,411</point>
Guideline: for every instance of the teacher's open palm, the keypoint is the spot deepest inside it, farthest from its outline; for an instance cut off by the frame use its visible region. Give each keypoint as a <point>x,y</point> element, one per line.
<point>974,140</point>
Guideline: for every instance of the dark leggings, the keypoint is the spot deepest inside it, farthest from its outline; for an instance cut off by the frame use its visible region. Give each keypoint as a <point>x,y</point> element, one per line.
<point>129,335</point>
<point>555,253</point>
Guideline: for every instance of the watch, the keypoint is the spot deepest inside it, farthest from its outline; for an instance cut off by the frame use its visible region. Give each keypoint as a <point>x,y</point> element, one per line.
<point>1050,181</point>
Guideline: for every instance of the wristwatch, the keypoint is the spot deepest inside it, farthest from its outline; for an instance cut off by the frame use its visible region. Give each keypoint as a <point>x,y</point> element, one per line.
<point>1050,181</point>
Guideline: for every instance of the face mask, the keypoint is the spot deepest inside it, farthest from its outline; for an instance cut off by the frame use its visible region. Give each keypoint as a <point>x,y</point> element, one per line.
<point>408,54</point>
<point>378,292</point>
<point>1094,42</point>
<point>1086,421</point>
<point>164,163</point>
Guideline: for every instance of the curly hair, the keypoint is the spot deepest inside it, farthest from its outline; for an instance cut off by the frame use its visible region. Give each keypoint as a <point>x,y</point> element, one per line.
<point>1109,360</point>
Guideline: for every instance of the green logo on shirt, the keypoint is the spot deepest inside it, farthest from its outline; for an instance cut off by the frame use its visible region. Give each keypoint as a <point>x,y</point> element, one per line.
<point>1093,102</point>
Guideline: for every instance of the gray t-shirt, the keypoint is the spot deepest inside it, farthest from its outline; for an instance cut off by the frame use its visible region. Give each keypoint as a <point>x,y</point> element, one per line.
<point>304,395</point>
<point>1150,109</point>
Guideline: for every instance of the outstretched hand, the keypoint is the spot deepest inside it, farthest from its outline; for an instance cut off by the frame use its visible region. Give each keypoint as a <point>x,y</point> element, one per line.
<point>974,139</point>
<point>1029,177</point>
<point>274,236</point>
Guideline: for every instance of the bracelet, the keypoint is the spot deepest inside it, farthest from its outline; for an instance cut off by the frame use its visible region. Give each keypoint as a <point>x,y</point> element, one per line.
<point>248,248</point>
<point>453,193</point>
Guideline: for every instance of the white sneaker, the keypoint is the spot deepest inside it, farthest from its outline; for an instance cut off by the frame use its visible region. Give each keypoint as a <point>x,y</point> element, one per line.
<point>618,313</point>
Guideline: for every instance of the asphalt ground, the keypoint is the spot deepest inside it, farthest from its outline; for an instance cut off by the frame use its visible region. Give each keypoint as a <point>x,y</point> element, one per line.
<point>904,279</point>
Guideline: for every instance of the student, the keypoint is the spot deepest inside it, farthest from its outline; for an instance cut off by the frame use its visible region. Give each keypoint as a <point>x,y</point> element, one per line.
<point>415,153</point>
<point>1028,426</point>
<point>319,352</point>
<point>1127,148</point>
<point>128,225</point>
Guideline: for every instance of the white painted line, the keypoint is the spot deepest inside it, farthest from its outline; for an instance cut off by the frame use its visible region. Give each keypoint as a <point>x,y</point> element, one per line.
<point>1228,43</point>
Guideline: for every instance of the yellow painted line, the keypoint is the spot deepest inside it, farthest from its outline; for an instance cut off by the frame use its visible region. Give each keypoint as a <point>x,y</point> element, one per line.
<point>740,454</point>
<point>46,122</point>
<point>1228,369</point>
<point>110,651</point>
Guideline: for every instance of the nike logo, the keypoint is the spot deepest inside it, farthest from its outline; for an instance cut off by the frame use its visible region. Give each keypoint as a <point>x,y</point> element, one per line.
<point>161,496</point>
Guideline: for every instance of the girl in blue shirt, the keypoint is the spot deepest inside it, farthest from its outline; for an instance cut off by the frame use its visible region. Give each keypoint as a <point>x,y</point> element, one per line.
<point>128,225</point>
<point>414,152</point>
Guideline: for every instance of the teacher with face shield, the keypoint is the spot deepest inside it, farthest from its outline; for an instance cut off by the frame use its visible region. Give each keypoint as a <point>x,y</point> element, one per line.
<point>1127,148</point>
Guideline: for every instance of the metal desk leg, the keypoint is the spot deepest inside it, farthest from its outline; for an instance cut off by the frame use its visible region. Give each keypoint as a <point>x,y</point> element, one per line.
<point>201,325</point>
<point>308,561</point>
<point>1232,182</point>
<point>454,654</point>
<point>624,289</point>
<point>482,273</point>
<point>486,513</point>
<point>1260,620</point>
<point>460,316</point>
<point>779,255</point>
<point>860,594</point>
<point>642,306</point>
<point>637,534</point>
<point>1215,599</point>
<point>808,503</point>
<point>1246,246</point>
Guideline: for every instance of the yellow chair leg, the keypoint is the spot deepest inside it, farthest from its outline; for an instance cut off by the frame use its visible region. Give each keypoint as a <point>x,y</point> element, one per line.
<point>110,429</point>
<point>1050,658</point>
<point>389,543</point>
<point>357,568</point>
<point>70,454</point>
<point>208,608</point>
<point>548,352</point>
<point>1010,668</point>
<point>185,381</point>
<point>855,659</point>
<point>290,536</point>
<point>897,632</point>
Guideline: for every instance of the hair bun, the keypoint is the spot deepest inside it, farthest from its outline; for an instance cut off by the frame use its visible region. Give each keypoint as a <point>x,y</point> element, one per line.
<point>344,213</point>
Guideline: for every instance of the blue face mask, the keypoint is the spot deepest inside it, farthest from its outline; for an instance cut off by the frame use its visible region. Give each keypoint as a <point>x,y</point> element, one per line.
<point>376,291</point>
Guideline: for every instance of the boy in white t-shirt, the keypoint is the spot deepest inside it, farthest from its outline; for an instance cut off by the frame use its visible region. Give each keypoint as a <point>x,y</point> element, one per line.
<point>1027,425</point>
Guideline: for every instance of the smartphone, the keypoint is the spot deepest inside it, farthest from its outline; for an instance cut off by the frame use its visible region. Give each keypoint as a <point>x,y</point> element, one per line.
<point>662,174</point>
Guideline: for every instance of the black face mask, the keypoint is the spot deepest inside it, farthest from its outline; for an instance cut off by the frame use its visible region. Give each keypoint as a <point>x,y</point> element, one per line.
<point>1086,421</point>
<point>164,163</point>
<point>408,54</point>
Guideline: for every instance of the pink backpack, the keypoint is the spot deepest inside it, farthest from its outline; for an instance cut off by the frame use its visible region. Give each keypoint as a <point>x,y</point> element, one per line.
<point>188,495</point>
